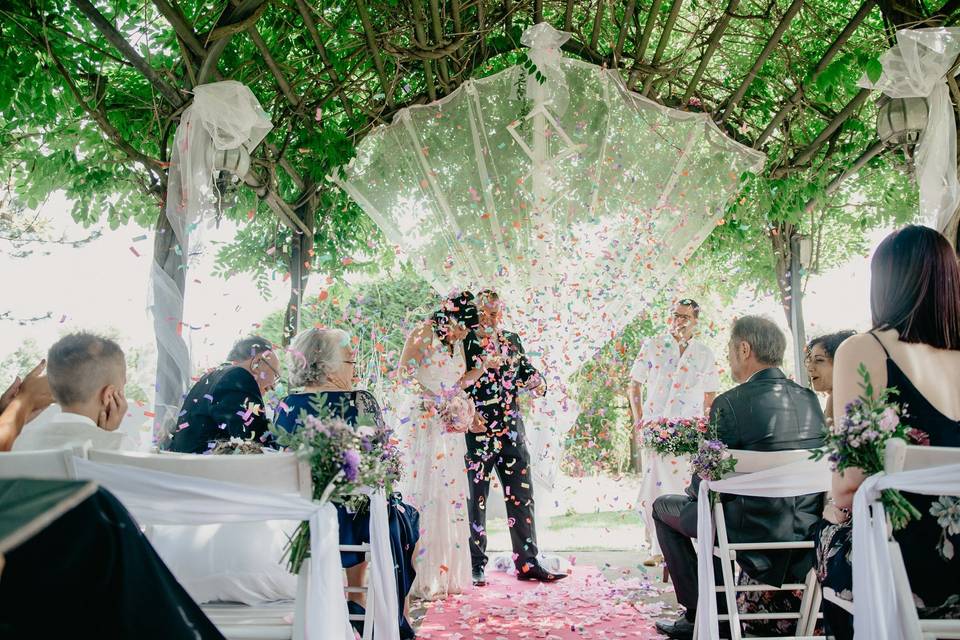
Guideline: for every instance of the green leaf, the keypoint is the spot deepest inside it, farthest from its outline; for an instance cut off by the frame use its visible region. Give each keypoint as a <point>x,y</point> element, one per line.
<point>874,70</point>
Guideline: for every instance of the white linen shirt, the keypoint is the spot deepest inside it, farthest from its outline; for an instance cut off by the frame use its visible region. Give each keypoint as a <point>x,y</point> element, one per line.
<point>67,430</point>
<point>675,384</point>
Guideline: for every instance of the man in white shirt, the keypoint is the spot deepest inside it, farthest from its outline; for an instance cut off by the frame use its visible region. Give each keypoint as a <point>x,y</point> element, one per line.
<point>87,374</point>
<point>679,377</point>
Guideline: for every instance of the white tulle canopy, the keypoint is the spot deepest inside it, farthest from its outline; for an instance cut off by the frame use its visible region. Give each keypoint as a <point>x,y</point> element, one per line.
<point>576,199</point>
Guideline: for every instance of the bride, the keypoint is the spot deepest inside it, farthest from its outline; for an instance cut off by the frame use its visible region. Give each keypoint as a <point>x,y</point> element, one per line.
<point>432,440</point>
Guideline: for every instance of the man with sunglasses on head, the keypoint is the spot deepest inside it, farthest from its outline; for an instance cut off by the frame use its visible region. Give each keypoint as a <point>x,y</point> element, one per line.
<point>228,401</point>
<point>674,376</point>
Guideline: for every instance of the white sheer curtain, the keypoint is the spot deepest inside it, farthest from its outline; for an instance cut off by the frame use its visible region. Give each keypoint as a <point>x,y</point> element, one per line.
<point>223,115</point>
<point>916,67</point>
<point>877,613</point>
<point>155,497</point>
<point>575,198</point>
<point>799,478</point>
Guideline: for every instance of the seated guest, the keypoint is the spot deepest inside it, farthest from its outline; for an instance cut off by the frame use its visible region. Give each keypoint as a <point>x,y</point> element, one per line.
<point>766,412</point>
<point>914,347</point>
<point>322,364</point>
<point>87,374</point>
<point>23,401</point>
<point>819,364</point>
<point>92,574</point>
<point>228,401</point>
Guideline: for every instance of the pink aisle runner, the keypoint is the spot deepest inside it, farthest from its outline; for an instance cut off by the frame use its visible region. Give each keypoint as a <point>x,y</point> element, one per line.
<point>584,606</point>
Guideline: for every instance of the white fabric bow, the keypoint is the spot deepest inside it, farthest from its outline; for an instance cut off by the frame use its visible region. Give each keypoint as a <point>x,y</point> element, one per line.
<point>155,497</point>
<point>797,479</point>
<point>915,68</point>
<point>877,615</point>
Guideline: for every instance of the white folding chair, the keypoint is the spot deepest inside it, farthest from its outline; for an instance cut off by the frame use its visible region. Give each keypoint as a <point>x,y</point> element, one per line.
<point>806,616</point>
<point>48,464</point>
<point>901,457</point>
<point>282,473</point>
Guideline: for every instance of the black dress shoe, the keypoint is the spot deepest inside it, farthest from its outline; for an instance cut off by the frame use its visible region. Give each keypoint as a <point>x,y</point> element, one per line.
<point>681,629</point>
<point>479,578</point>
<point>536,572</point>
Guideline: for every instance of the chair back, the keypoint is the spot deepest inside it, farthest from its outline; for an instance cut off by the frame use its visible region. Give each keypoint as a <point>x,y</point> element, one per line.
<point>280,472</point>
<point>49,464</point>
<point>754,461</point>
<point>900,456</point>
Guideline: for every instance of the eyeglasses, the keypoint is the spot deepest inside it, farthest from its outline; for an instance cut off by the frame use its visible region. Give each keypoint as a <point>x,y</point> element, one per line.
<point>273,369</point>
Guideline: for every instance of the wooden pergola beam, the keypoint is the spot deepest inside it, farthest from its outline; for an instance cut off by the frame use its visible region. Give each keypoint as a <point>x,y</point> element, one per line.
<point>324,57</point>
<point>774,40</point>
<point>810,150</point>
<point>712,45</point>
<point>869,154</point>
<point>421,38</point>
<point>662,45</point>
<point>115,38</point>
<point>822,64</point>
<point>622,36</point>
<point>374,49</point>
<point>179,23</point>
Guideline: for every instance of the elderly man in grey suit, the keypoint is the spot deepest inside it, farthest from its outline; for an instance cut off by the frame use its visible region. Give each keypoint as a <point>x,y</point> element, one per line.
<point>766,412</point>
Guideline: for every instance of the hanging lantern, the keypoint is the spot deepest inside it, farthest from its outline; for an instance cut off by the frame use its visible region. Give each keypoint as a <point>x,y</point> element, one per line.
<point>900,121</point>
<point>235,161</point>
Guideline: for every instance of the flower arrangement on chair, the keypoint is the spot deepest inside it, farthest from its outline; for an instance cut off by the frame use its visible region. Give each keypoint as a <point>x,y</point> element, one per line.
<point>859,437</point>
<point>675,436</point>
<point>342,460</point>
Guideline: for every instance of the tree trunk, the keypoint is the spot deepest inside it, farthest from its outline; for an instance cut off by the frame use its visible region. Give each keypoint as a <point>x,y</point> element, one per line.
<point>168,390</point>
<point>301,246</point>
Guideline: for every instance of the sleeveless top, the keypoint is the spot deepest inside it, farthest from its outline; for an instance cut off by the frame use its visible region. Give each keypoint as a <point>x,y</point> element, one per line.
<point>442,370</point>
<point>934,577</point>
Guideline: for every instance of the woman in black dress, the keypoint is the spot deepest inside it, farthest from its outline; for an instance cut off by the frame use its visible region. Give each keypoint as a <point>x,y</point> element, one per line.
<point>914,347</point>
<point>322,363</point>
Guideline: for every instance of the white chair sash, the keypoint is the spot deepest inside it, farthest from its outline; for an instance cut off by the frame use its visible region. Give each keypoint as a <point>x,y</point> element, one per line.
<point>875,603</point>
<point>799,478</point>
<point>155,497</point>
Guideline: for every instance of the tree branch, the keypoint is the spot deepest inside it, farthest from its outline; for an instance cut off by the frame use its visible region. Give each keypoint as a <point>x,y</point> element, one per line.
<point>662,45</point>
<point>712,45</point>
<point>374,49</point>
<point>181,26</point>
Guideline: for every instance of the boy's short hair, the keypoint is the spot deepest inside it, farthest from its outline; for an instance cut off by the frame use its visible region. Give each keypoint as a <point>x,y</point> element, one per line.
<point>80,364</point>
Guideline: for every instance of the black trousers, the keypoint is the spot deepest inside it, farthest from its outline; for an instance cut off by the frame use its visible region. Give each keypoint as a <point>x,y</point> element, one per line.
<point>512,463</point>
<point>93,574</point>
<point>675,517</point>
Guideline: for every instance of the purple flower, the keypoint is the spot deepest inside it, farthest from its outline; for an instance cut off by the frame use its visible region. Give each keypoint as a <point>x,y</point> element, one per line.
<point>351,465</point>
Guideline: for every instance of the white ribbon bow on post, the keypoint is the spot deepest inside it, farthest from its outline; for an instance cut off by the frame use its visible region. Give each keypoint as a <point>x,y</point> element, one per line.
<point>916,67</point>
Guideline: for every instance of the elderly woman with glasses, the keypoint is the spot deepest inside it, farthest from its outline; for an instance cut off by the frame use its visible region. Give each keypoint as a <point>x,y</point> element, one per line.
<point>322,363</point>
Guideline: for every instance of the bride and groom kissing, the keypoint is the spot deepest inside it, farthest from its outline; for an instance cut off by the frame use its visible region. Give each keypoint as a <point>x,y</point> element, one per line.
<point>464,422</point>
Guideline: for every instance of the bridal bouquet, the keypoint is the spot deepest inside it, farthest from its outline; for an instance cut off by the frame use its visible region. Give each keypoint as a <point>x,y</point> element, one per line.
<point>342,460</point>
<point>674,436</point>
<point>457,413</point>
<point>712,461</point>
<point>859,437</point>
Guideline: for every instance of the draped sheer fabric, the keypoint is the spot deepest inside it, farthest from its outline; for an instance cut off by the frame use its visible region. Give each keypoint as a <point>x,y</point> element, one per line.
<point>916,67</point>
<point>798,478</point>
<point>223,115</point>
<point>155,497</point>
<point>575,198</point>
<point>876,609</point>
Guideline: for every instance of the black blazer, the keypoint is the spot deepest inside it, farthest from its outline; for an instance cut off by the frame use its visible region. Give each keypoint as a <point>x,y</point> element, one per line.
<point>215,409</point>
<point>769,413</point>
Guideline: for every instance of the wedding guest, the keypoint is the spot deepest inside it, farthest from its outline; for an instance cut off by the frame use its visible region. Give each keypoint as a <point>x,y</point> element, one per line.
<point>228,401</point>
<point>22,402</point>
<point>87,374</point>
<point>674,376</point>
<point>819,364</point>
<point>322,364</point>
<point>91,573</point>
<point>914,347</point>
<point>766,412</point>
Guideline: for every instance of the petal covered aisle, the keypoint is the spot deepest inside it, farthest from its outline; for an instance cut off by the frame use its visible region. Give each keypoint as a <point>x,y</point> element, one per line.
<point>584,606</point>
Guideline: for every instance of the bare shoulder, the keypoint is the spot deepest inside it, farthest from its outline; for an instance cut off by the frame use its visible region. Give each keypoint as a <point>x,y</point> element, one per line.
<point>860,348</point>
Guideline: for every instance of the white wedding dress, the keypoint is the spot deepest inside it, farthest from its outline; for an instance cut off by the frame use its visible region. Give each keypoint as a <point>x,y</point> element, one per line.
<point>435,481</point>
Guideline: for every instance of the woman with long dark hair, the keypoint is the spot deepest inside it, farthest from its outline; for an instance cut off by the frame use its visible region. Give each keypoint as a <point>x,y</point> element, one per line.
<point>914,347</point>
<point>436,364</point>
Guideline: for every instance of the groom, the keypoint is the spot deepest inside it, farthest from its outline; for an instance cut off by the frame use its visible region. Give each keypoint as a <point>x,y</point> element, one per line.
<point>497,442</point>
